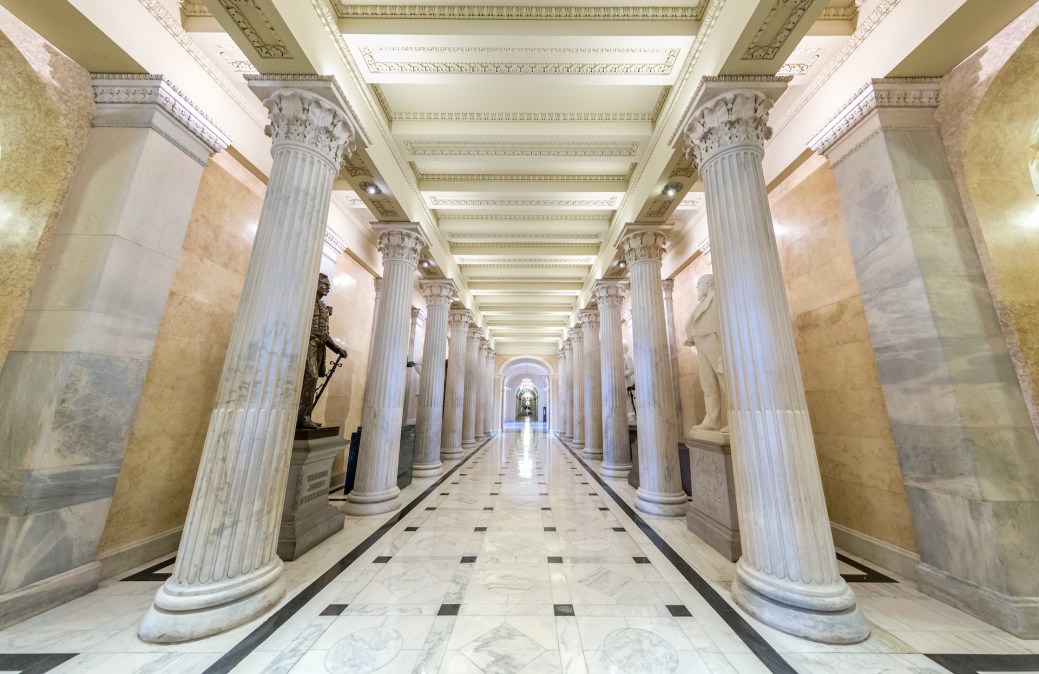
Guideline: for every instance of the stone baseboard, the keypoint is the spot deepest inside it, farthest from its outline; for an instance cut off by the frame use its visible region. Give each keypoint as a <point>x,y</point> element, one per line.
<point>1017,615</point>
<point>891,557</point>
<point>126,557</point>
<point>45,594</point>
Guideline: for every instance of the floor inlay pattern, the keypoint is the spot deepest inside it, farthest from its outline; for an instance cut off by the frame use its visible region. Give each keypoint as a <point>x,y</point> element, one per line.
<point>532,564</point>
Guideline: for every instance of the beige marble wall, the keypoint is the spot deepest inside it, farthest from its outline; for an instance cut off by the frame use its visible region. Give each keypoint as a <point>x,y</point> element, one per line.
<point>46,105</point>
<point>988,115</point>
<point>857,455</point>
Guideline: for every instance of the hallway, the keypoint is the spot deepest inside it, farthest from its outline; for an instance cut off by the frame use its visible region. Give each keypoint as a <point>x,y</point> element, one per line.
<point>518,559</point>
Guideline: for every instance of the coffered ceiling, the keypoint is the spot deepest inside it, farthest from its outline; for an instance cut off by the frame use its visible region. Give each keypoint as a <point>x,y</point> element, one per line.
<point>520,137</point>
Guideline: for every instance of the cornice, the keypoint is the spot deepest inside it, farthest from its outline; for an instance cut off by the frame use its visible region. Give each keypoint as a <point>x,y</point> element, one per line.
<point>571,261</point>
<point>895,92</point>
<point>524,281</point>
<point>662,65</point>
<point>544,244</point>
<point>132,101</point>
<point>433,148</point>
<point>264,39</point>
<point>234,57</point>
<point>194,8</point>
<point>516,12</point>
<point>570,217</point>
<point>520,177</point>
<point>865,28</point>
<point>529,117</point>
<point>535,236</point>
<point>839,13</point>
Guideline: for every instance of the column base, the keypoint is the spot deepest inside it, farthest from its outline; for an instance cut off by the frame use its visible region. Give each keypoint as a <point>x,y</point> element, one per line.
<point>212,608</point>
<point>668,505</point>
<point>592,453</point>
<point>468,444</point>
<point>845,626</point>
<point>450,454</point>
<point>372,503</point>
<point>427,469</point>
<point>614,470</point>
<point>577,444</point>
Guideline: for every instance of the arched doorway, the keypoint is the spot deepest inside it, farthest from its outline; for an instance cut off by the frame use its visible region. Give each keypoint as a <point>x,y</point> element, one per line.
<point>526,401</point>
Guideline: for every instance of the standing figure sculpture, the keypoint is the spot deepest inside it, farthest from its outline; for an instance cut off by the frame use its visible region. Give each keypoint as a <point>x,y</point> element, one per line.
<point>319,341</point>
<point>629,379</point>
<point>701,331</point>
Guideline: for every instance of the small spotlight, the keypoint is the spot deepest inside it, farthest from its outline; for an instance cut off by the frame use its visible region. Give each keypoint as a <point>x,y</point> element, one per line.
<point>425,264</point>
<point>622,264</point>
<point>371,188</point>
<point>671,189</point>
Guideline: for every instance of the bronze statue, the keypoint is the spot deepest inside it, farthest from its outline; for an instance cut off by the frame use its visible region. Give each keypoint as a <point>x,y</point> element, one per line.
<point>316,367</point>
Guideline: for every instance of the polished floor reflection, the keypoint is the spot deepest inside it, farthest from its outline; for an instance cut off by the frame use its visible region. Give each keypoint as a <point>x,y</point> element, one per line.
<point>519,559</point>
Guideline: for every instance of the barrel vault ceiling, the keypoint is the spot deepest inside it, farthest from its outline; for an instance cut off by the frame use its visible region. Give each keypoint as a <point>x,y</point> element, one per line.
<point>523,135</point>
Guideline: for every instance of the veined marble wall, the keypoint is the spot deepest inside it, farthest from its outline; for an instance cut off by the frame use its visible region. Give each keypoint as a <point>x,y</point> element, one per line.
<point>857,455</point>
<point>988,114</point>
<point>158,473</point>
<point>46,106</point>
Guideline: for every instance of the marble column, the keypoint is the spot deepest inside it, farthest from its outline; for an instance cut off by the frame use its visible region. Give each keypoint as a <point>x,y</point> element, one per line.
<point>454,397</point>
<point>592,385</point>
<point>375,488</point>
<point>958,416</point>
<point>788,575</point>
<point>489,423</point>
<point>577,385</point>
<point>429,419</point>
<point>227,571</point>
<point>472,382</point>
<point>411,376</point>
<point>669,321</point>
<point>616,450</point>
<point>77,363</point>
<point>481,390</point>
<point>660,479</point>
<point>566,415</point>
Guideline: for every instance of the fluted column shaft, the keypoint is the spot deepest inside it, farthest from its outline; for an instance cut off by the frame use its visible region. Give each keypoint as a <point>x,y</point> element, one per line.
<point>382,412</point>
<point>616,457</point>
<point>472,380</point>
<point>227,571</point>
<point>429,418</point>
<point>660,479</point>
<point>480,394</point>
<point>592,385</point>
<point>489,421</point>
<point>672,345</point>
<point>454,396</point>
<point>577,379</point>
<point>564,391</point>
<point>788,575</point>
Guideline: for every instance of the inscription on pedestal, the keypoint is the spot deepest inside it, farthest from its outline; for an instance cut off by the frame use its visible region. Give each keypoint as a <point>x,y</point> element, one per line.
<point>308,517</point>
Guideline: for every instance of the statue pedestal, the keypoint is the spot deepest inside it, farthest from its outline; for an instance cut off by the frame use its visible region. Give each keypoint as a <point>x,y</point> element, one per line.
<point>712,512</point>
<point>308,518</point>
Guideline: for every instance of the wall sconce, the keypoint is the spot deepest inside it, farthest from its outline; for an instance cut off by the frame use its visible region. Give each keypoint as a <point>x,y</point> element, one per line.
<point>671,189</point>
<point>371,188</point>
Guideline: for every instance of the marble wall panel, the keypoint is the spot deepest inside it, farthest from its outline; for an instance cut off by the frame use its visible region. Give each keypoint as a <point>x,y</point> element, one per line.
<point>46,106</point>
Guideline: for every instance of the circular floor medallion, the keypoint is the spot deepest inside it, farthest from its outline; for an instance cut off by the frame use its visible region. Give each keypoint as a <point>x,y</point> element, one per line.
<point>364,651</point>
<point>637,651</point>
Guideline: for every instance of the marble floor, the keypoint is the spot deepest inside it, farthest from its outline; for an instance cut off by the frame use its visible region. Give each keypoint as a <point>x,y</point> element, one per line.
<point>519,559</point>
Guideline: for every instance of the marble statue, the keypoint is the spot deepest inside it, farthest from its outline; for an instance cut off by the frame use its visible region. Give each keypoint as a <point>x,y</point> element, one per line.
<point>629,379</point>
<point>319,341</point>
<point>701,331</point>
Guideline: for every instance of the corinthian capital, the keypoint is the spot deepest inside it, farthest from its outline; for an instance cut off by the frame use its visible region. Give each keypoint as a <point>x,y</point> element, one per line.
<point>738,117</point>
<point>643,246</point>
<point>590,319</point>
<point>608,293</point>
<point>437,293</point>
<point>459,318</point>
<point>400,244</point>
<point>304,118</point>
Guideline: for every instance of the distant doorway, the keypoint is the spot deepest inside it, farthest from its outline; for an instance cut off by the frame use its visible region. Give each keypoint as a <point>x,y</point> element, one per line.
<point>526,401</point>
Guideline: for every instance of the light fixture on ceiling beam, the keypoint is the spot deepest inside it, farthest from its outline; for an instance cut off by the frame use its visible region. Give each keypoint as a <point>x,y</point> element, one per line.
<point>371,188</point>
<point>671,189</point>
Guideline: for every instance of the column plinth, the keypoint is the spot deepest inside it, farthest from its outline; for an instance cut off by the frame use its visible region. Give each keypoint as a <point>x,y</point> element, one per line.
<point>788,575</point>
<point>227,570</point>
<point>454,397</point>
<point>472,381</point>
<point>375,488</point>
<point>429,419</point>
<point>577,386</point>
<point>592,385</point>
<point>660,479</point>
<point>616,458</point>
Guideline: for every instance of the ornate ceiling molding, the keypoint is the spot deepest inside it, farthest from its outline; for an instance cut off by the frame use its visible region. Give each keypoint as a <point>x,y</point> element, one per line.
<point>787,12</point>
<point>534,236</point>
<point>257,28</point>
<point>521,203</point>
<point>436,148</point>
<point>571,217</point>
<point>536,117</point>
<point>839,13</point>
<point>517,12</point>
<point>865,29</point>
<point>662,64</point>
<point>194,8</point>
<point>801,61</point>
<point>521,177</point>
<point>529,280</point>
<point>567,261</point>
<point>235,58</point>
<point>540,244</point>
